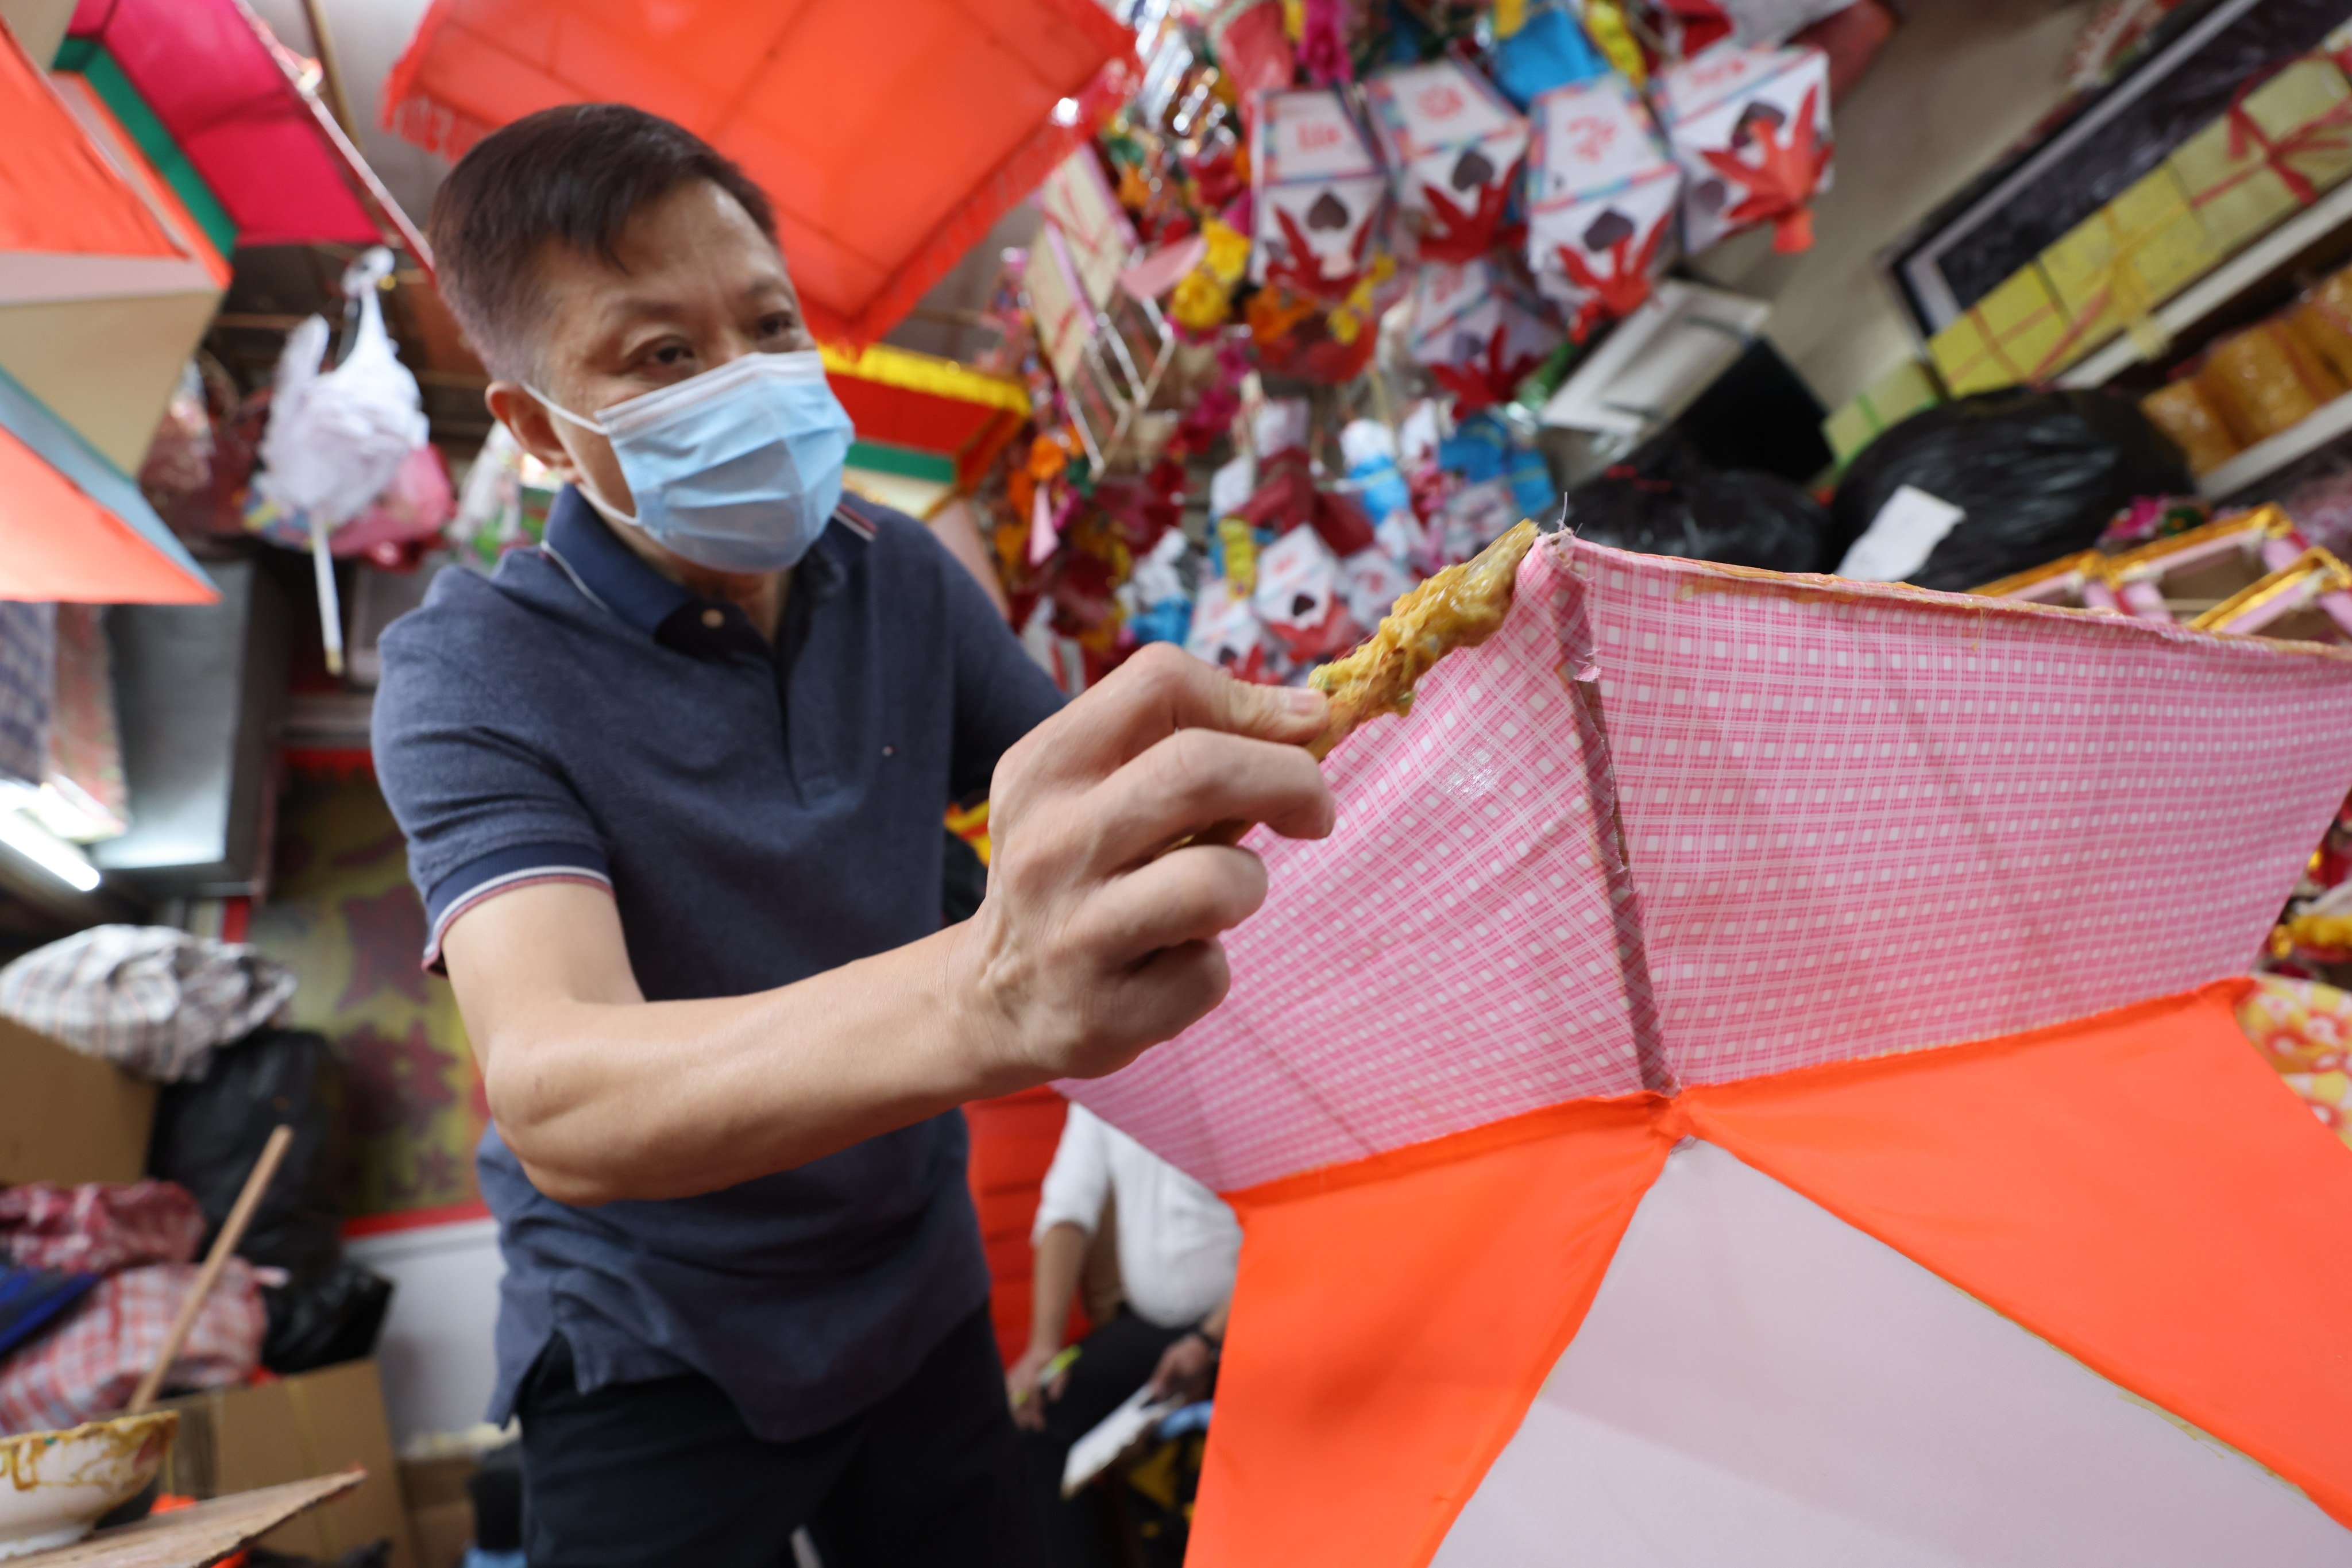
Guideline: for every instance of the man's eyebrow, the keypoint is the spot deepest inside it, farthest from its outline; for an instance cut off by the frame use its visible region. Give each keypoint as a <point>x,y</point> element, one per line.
<point>629,308</point>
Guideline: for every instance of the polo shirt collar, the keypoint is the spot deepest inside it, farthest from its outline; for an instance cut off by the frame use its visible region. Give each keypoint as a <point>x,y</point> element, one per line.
<point>584,546</point>
<point>606,570</point>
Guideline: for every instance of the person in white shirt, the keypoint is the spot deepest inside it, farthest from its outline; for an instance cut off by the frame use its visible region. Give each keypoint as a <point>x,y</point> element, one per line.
<point>1178,1246</point>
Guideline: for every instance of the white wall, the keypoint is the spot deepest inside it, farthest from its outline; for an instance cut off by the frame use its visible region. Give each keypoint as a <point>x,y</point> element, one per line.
<point>1957,83</point>
<point>435,1355</point>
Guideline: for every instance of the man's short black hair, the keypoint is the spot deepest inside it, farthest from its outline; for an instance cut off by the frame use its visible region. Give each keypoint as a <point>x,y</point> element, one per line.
<point>572,175</point>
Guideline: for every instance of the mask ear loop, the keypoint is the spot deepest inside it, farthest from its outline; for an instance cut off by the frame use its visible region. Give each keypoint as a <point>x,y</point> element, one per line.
<point>586,487</point>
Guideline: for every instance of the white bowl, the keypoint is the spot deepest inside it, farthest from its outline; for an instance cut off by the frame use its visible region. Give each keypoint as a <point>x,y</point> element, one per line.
<point>54,1484</point>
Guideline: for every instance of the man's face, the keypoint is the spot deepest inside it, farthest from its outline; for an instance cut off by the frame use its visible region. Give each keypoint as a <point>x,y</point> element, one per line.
<point>698,284</point>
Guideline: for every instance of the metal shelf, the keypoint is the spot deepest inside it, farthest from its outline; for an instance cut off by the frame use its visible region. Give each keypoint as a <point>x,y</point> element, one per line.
<point>2218,287</point>
<point>2261,460</point>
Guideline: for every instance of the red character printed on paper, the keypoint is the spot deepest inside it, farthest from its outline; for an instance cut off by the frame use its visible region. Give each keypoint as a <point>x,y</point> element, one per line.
<point>1590,135</point>
<point>1440,101</point>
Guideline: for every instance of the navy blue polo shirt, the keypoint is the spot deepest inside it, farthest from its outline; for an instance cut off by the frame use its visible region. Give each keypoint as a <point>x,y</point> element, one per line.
<point>759,813</point>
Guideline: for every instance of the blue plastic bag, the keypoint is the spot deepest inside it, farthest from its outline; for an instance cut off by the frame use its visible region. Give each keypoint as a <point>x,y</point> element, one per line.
<point>1549,51</point>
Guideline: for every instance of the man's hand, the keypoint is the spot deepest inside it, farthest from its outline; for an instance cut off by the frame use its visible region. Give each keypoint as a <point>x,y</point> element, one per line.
<point>1183,1370</point>
<point>1027,1390</point>
<point>1098,938</point>
<point>1094,942</point>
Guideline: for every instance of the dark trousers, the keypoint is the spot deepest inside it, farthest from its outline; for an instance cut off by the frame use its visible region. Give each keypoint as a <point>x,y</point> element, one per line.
<point>664,1472</point>
<point>1113,1362</point>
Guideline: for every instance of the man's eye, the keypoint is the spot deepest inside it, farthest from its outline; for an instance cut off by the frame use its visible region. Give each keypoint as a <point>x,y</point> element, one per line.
<point>775,326</point>
<point>672,353</point>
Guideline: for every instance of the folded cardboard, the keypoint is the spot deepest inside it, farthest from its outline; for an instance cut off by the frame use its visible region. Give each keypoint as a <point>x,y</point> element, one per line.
<point>235,1440</point>
<point>195,1537</point>
<point>68,1118</point>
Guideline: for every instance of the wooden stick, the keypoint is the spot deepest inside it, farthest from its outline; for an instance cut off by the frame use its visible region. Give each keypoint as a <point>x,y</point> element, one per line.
<point>223,1245</point>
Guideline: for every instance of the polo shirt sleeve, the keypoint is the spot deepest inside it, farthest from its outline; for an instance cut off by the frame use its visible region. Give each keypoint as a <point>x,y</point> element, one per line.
<point>1077,1182</point>
<point>1001,693</point>
<point>484,811</point>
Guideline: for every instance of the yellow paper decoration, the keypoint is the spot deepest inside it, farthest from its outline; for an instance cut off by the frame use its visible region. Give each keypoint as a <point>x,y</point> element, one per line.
<point>1604,24</point>
<point>1241,553</point>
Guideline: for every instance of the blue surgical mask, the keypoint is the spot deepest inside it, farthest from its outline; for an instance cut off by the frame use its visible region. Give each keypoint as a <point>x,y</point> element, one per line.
<point>738,469</point>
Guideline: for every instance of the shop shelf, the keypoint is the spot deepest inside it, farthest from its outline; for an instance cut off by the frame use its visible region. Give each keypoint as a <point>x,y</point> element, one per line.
<point>2261,460</point>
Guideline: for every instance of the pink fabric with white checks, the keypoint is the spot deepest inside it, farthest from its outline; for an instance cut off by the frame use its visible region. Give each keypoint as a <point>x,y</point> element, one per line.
<point>1861,819</point>
<point>1448,957</point>
<point>1867,819</point>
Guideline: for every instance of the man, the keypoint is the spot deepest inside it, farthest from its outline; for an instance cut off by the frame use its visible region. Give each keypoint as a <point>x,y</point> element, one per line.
<point>1178,1247</point>
<point>673,787</point>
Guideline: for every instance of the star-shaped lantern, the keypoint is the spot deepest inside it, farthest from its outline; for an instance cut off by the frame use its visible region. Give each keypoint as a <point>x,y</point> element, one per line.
<point>1752,1078</point>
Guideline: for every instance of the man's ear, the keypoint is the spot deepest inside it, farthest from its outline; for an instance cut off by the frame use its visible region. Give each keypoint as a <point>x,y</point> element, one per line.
<point>513,405</point>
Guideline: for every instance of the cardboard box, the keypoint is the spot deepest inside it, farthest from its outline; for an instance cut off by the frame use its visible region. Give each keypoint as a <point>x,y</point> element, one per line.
<point>235,1439</point>
<point>428,1483</point>
<point>66,1117</point>
<point>442,1532</point>
<point>440,1509</point>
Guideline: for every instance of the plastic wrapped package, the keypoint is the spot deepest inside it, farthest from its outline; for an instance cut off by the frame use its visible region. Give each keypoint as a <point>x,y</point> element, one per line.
<point>2267,379</point>
<point>2036,475</point>
<point>2182,411</point>
<point>2324,319</point>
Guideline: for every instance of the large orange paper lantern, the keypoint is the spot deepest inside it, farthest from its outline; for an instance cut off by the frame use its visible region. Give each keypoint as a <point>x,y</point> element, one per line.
<point>890,136</point>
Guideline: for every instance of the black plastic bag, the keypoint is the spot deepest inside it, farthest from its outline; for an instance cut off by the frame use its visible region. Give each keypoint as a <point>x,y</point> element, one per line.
<point>1666,500</point>
<point>209,1132</point>
<point>323,1319</point>
<point>2037,475</point>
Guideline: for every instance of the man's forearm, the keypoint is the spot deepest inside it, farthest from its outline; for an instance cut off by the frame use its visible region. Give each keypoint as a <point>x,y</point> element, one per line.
<point>1098,938</point>
<point>622,1099</point>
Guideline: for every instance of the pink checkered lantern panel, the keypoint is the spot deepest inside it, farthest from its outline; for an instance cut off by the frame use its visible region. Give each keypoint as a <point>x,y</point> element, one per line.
<point>1856,819</point>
